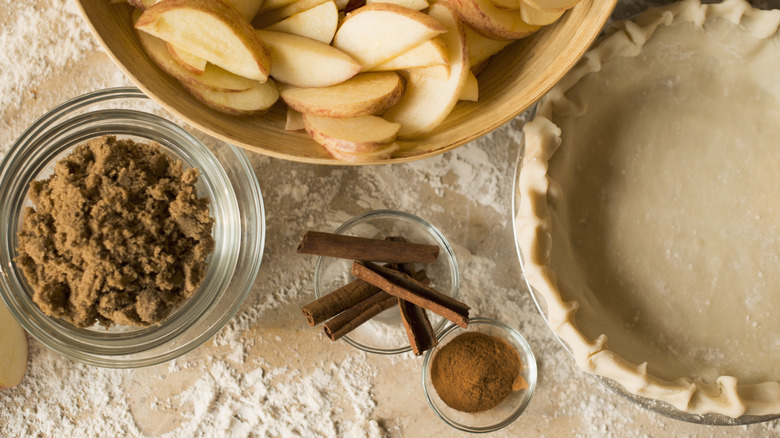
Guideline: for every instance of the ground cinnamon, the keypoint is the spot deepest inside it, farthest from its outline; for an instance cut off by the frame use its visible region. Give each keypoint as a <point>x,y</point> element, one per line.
<point>475,372</point>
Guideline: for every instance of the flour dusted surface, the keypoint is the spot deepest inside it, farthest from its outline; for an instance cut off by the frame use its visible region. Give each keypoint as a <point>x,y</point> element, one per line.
<point>267,373</point>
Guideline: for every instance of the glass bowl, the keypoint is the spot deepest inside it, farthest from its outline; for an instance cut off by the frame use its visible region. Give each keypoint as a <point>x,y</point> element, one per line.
<point>384,333</point>
<point>509,409</point>
<point>226,179</point>
<point>653,405</point>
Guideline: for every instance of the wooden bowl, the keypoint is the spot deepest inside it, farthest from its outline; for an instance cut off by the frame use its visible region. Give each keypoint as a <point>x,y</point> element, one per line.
<point>512,81</point>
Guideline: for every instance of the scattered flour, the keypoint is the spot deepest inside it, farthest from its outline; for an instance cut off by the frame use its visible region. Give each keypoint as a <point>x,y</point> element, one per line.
<point>43,36</point>
<point>239,384</point>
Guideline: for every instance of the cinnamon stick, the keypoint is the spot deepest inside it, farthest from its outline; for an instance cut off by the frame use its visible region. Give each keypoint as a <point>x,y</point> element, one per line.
<point>337,301</point>
<point>353,317</point>
<point>407,288</point>
<point>418,327</point>
<point>406,268</point>
<point>363,248</point>
<point>416,323</point>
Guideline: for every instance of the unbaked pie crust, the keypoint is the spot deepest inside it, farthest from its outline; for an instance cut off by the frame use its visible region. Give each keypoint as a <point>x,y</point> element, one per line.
<point>649,215</point>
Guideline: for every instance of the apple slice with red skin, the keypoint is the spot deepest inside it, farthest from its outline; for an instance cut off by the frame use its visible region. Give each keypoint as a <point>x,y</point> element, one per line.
<point>364,94</point>
<point>211,30</point>
<point>432,92</point>
<point>378,32</point>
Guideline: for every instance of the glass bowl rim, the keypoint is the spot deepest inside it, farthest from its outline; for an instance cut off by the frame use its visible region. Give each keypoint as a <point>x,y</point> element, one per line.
<point>432,230</point>
<point>529,360</point>
<point>201,326</point>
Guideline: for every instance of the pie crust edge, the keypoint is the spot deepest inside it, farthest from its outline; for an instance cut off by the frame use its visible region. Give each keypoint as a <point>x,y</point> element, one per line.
<point>533,222</point>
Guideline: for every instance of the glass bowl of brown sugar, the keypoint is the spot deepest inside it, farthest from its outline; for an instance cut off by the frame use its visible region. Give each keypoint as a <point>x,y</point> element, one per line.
<point>479,379</point>
<point>225,180</point>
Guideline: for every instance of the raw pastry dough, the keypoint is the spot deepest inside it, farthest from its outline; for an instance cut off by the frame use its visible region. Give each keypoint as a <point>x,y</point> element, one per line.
<point>650,207</point>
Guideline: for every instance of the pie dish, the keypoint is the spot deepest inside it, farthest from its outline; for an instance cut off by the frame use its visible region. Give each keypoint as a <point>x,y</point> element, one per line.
<point>648,220</point>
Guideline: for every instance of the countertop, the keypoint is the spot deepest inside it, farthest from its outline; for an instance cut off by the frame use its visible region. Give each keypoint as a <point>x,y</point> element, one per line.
<point>267,373</point>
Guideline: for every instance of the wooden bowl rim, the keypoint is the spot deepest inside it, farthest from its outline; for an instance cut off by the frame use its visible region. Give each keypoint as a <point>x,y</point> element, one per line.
<point>602,13</point>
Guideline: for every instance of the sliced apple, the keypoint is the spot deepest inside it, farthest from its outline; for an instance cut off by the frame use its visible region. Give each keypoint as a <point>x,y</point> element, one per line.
<point>294,120</point>
<point>477,69</point>
<point>366,93</point>
<point>378,32</point>
<point>470,90</point>
<point>13,344</point>
<point>431,95</point>
<point>187,60</point>
<point>350,138</point>
<point>318,23</point>
<point>211,30</point>
<point>552,5</point>
<point>493,22</point>
<point>431,52</point>
<point>274,4</point>
<point>347,6</point>
<point>539,17</point>
<point>247,8</point>
<point>304,62</point>
<point>212,77</point>
<point>142,4</point>
<point>253,101</point>
<point>379,153</point>
<point>267,18</point>
<point>481,47</point>
<point>507,4</point>
<point>417,5</point>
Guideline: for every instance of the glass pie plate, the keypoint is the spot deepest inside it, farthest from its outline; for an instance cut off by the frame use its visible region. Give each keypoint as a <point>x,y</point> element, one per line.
<point>647,403</point>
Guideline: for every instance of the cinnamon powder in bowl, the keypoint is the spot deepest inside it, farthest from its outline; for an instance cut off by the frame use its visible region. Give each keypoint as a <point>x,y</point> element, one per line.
<point>479,379</point>
<point>475,372</point>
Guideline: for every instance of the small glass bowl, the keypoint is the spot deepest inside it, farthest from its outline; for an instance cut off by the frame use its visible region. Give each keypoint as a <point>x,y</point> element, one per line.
<point>384,334</point>
<point>509,409</point>
<point>226,179</point>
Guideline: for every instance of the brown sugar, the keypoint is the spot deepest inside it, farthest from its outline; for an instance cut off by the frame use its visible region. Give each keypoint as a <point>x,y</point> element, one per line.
<point>118,235</point>
<point>475,372</point>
